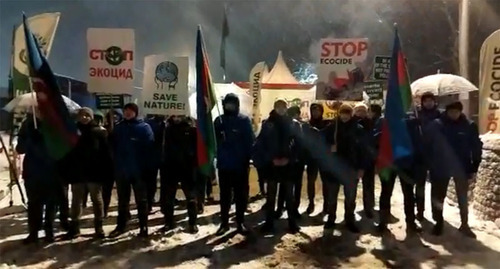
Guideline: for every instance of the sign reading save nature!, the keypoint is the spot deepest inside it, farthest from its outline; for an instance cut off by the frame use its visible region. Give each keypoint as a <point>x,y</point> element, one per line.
<point>165,85</point>
<point>110,55</point>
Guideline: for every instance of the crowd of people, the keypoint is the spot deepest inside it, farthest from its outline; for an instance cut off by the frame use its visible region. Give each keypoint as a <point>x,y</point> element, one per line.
<point>131,152</point>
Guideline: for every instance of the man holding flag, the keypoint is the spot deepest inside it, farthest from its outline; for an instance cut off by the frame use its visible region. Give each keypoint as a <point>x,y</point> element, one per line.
<point>396,152</point>
<point>44,140</point>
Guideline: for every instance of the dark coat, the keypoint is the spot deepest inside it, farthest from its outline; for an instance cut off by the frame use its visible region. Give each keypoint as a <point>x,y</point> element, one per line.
<point>37,163</point>
<point>452,148</point>
<point>180,146</point>
<point>133,142</point>
<point>426,116</point>
<point>313,139</point>
<point>348,137</point>
<point>278,138</point>
<point>90,160</point>
<point>157,126</point>
<point>235,139</point>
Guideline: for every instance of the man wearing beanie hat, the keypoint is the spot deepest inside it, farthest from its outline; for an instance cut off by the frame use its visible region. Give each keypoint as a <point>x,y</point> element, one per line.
<point>235,139</point>
<point>368,180</point>
<point>312,142</point>
<point>297,170</point>
<point>453,149</point>
<point>344,166</point>
<point>277,147</point>
<point>427,113</point>
<point>83,169</point>
<point>133,141</point>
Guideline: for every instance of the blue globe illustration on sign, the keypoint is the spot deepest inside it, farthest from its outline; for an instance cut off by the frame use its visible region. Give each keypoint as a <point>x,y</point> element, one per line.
<point>166,73</point>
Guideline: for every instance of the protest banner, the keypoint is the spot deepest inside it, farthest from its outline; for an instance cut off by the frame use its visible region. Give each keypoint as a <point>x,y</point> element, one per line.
<point>165,85</point>
<point>375,91</point>
<point>381,67</point>
<point>109,101</point>
<point>489,85</point>
<point>255,81</point>
<point>340,74</point>
<point>110,55</point>
<point>300,98</point>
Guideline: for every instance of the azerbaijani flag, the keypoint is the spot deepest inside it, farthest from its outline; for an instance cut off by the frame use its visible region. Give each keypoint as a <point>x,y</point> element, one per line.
<point>395,142</point>
<point>205,102</point>
<point>59,131</point>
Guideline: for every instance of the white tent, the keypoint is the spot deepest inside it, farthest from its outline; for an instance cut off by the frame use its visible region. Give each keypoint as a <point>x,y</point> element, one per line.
<point>222,90</point>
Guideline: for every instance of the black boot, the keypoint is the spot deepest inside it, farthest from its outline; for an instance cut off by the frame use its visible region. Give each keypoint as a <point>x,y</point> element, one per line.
<point>438,229</point>
<point>352,227</point>
<point>465,230</point>
<point>412,227</point>
<point>74,231</point>
<point>268,228</point>
<point>223,229</point>
<point>293,228</point>
<point>242,229</point>
<point>193,229</point>
<point>49,236</point>
<point>31,239</point>
<point>310,208</point>
<point>382,228</point>
<point>119,230</point>
<point>143,232</point>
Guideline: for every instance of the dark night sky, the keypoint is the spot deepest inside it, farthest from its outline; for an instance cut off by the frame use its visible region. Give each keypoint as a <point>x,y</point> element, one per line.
<point>258,29</point>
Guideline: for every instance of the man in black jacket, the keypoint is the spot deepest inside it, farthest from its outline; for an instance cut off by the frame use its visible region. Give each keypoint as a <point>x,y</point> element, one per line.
<point>39,174</point>
<point>276,146</point>
<point>453,149</point>
<point>312,137</point>
<point>345,165</point>
<point>368,180</point>
<point>427,113</point>
<point>408,171</point>
<point>297,170</point>
<point>84,170</point>
<point>179,166</point>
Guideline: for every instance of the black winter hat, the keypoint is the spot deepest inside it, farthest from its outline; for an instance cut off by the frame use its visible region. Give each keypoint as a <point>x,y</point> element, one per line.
<point>455,105</point>
<point>427,95</point>
<point>231,98</point>
<point>293,110</point>
<point>133,107</point>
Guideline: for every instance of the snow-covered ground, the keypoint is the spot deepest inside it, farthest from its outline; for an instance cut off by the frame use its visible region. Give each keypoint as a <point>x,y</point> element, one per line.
<point>309,249</point>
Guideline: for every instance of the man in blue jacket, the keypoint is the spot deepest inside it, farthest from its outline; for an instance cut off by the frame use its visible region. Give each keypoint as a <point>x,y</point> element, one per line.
<point>276,146</point>
<point>133,141</point>
<point>234,146</point>
<point>454,150</point>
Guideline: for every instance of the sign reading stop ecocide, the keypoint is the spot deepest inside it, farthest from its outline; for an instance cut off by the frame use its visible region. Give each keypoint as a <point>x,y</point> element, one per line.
<point>110,54</point>
<point>340,74</point>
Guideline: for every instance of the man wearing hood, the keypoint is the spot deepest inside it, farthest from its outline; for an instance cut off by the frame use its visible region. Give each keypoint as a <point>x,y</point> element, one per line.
<point>235,138</point>
<point>453,149</point>
<point>427,113</point>
<point>179,165</point>
<point>277,147</point>
<point>368,180</point>
<point>312,136</point>
<point>113,117</point>
<point>86,162</point>
<point>344,166</point>
<point>133,142</point>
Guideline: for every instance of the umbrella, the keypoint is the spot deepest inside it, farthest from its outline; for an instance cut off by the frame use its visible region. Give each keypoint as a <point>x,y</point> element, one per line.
<point>442,84</point>
<point>25,102</point>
